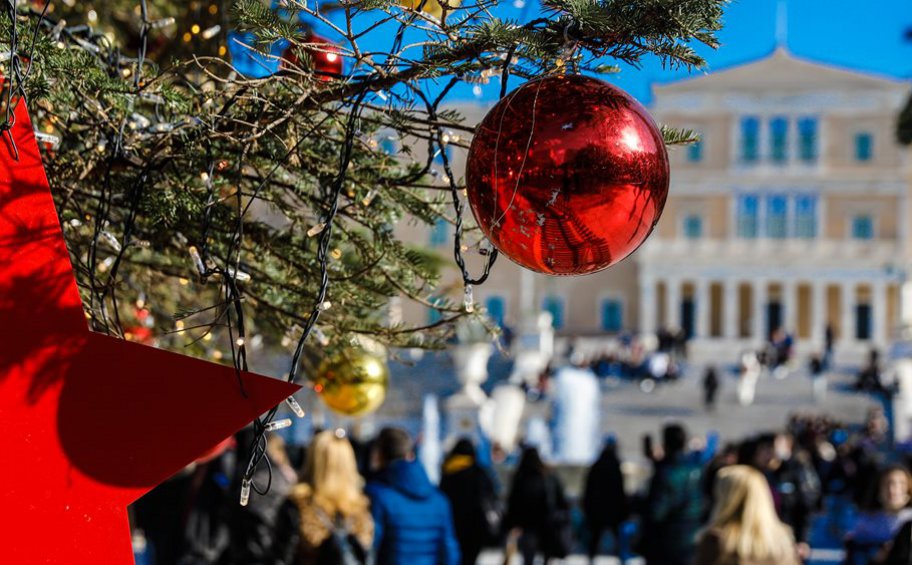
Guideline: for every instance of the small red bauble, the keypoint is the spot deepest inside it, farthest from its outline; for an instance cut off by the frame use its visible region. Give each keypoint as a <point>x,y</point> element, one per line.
<point>567,175</point>
<point>327,60</point>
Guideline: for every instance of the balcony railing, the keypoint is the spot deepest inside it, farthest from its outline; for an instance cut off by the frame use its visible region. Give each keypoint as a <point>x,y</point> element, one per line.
<point>774,251</point>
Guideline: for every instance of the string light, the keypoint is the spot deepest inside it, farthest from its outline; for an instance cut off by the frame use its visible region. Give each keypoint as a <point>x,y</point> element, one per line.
<point>245,492</point>
<point>278,425</point>
<point>197,260</point>
<point>295,407</point>
<point>316,230</point>
<point>468,299</point>
<point>141,127</point>
<point>109,238</point>
<point>211,32</point>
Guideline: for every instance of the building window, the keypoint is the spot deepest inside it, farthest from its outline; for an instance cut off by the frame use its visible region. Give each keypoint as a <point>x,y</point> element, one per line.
<point>863,227</point>
<point>497,309</point>
<point>388,145</point>
<point>695,151</point>
<point>864,147</point>
<point>693,226</point>
<point>554,305</point>
<point>806,216</point>
<point>776,216</point>
<point>779,139</point>
<point>807,139</point>
<point>748,216</point>
<point>612,315</point>
<point>440,232</point>
<point>438,157</point>
<point>750,139</point>
<point>433,314</point>
<point>863,319</point>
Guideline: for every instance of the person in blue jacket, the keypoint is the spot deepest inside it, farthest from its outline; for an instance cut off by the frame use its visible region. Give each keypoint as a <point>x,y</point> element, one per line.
<point>413,522</point>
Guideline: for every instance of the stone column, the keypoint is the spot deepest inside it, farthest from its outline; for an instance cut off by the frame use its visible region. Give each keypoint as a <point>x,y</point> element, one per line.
<point>673,303</point>
<point>818,312</point>
<point>790,306</point>
<point>730,328</point>
<point>703,304</point>
<point>879,313</point>
<point>758,310</point>
<point>847,301</point>
<point>648,305</point>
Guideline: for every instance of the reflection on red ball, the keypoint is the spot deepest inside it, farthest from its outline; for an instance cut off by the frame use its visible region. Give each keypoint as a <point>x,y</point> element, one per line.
<point>567,175</point>
<point>326,58</point>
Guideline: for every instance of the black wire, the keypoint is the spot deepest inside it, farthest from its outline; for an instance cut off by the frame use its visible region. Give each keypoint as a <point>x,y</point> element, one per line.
<point>18,79</point>
<point>111,57</point>
<point>458,205</point>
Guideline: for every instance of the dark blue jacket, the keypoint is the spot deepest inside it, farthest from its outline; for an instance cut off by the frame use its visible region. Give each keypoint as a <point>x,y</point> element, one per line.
<point>413,523</point>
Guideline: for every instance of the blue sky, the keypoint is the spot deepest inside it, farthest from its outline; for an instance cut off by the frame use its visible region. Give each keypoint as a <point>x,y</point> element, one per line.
<point>866,36</point>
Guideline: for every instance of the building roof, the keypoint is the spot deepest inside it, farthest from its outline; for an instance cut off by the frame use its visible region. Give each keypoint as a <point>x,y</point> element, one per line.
<point>782,71</point>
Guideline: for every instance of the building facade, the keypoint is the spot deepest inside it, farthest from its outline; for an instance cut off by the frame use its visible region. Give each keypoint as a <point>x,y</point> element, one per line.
<point>792,211</point>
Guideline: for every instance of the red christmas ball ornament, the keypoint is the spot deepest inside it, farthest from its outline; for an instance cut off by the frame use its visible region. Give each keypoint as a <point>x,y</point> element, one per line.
<point>567,175</point>
<point>324,54</point>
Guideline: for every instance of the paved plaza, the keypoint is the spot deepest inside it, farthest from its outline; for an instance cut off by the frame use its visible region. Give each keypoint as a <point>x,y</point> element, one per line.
<point>630,413</point>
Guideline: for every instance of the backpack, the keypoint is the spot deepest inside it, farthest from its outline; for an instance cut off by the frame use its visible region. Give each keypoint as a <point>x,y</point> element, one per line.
<point>341,547</point>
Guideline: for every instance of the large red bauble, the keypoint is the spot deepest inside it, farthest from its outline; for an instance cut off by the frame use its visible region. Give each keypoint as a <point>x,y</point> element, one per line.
<point>567,175</point>
<point>326,58</point>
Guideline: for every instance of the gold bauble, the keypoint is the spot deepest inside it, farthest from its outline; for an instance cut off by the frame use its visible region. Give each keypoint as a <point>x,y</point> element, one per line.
<point>352,382</point>
<point>431,7</point>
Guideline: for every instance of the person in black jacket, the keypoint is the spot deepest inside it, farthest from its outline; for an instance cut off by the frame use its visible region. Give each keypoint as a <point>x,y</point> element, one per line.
<point>252,538</point>
<point>899,551</point>
<point>793,480</point>
<point>674,503</point>
<point>604,500</point>
<point>473,498</point>
<point>710,387</point>
<point>537,510</point>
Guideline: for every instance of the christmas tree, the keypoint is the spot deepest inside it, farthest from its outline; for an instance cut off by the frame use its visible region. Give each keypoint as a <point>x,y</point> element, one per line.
<point>221,167</point>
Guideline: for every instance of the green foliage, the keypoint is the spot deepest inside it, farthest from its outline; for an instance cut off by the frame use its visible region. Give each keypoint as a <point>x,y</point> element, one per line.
<point>196,156</point>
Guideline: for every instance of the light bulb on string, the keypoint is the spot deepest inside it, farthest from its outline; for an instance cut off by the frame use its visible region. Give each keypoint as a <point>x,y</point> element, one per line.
<point>295,406</point>
<point>245,492</point>
<point>468,299</point>
<point>316,230</point>
<point>278,425</point>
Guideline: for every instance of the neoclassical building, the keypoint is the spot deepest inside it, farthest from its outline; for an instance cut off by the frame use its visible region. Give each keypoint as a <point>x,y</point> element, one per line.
<point>792,211</point>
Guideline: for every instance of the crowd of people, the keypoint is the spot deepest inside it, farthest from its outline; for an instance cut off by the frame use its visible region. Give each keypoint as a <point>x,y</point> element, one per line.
<point>343,502</point>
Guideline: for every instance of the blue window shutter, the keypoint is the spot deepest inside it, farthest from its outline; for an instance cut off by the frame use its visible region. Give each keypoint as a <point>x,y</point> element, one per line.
<point>433,314</point>
<point>806,216</point>
<point>862,227</point>
<point>612,315</point>
<point>779,139</point>
<point>748,216</point>
<point>807,131</point>
<point>693,227</point>
<point>695,151</point>
<point>497,309</point>
<point>776,216</point>
<point>440,232</point>
<point>555,306</point>
<point>864,147</point>
<point>750,139</point>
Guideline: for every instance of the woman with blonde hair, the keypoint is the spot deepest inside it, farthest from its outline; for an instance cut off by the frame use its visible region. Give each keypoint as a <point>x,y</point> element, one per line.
<point>744,528</point>
<point>335,519</point>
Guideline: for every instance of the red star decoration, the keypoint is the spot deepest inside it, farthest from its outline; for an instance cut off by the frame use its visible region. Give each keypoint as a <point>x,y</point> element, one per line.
<point>88,422</point>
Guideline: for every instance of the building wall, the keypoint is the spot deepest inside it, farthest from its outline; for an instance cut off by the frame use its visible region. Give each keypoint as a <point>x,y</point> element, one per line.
<point>821,272</point>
